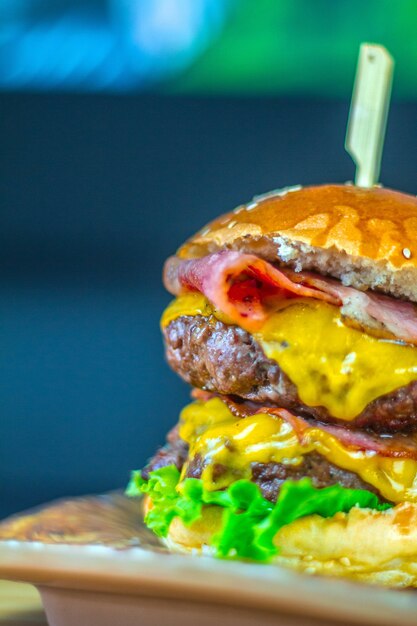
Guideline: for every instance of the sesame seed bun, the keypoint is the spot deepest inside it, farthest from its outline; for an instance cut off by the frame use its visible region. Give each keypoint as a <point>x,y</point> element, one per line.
<point>367,238</point>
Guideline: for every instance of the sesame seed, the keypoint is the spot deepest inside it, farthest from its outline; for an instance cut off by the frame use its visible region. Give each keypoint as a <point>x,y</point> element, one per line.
<point>407,253</point>
<point>276,192</point>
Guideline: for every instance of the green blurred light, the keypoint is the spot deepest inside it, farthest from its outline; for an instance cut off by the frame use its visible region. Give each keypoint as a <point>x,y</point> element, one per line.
<point>304,47</point>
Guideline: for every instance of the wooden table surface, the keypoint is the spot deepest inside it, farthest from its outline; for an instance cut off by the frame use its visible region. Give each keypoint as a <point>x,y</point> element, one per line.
<point>20,605</point>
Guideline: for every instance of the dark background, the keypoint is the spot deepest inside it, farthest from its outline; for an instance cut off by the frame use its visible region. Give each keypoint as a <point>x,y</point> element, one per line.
<point>96,191</point>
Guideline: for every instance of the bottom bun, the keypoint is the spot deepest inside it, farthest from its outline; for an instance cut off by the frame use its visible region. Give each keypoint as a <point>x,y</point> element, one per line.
<point>367,545</point>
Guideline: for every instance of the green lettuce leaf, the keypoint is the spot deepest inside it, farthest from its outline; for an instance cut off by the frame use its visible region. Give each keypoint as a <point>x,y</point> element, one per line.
<point>249,521</point>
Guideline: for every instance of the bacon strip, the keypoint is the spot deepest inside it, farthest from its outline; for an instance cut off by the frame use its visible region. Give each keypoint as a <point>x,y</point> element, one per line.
<point>396,316</point>
<point>245,287</point>
<point>394,446</point>
<point>242,286</point>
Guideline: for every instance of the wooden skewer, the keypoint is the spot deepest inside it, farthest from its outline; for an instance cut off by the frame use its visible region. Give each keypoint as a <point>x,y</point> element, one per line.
<point>369,111</point>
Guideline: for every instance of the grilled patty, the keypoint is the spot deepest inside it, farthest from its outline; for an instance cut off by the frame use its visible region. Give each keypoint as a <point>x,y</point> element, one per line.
<point>268,476</point>
<point>226,359</point>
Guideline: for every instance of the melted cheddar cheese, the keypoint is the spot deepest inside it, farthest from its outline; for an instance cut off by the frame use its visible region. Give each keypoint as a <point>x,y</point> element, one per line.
<point>331,364</point>
<point>218,437</point>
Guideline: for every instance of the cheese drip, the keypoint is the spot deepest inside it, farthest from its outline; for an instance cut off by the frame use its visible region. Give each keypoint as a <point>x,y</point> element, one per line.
<point>218,437</point>
<point>331,364</point>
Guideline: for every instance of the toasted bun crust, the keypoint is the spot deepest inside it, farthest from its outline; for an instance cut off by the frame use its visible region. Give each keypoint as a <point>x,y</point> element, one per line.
<point>372,546</point>
<point>365,237</point>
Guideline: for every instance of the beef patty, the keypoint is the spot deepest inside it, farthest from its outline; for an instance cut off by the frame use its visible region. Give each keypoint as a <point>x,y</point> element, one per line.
<point>268,476</point>
<point>228,360</point>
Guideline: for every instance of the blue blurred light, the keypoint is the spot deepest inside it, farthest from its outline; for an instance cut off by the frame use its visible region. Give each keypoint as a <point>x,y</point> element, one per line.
<point>102,44</point>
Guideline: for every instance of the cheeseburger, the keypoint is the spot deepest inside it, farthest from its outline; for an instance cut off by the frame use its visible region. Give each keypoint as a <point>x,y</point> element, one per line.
<point>295,321</point>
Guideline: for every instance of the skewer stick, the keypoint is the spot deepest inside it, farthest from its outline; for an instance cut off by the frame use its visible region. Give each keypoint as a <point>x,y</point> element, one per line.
<point>368,112</point>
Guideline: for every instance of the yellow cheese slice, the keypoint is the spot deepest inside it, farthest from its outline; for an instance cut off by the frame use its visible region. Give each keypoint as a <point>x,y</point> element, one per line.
<point>220,438</point>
